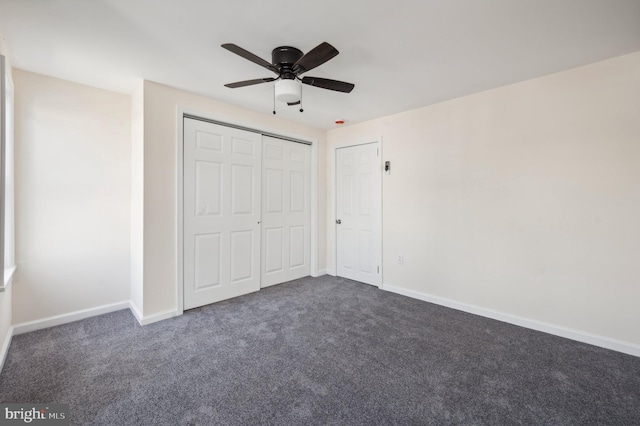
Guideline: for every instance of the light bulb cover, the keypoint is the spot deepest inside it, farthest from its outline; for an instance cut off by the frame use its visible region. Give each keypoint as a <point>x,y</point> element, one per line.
<point>287,91</point>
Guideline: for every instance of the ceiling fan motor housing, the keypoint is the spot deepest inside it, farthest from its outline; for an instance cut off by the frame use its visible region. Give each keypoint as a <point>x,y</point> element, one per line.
<point>285,55</point>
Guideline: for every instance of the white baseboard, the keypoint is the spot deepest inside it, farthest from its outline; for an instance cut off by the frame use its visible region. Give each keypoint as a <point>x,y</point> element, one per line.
<point>5,347</point>
<point>26,327</point>
<point>159,317</point>
<point>142,320</point>
<point>580,336</point>
<point>135,311</point>
<point>332,272</point>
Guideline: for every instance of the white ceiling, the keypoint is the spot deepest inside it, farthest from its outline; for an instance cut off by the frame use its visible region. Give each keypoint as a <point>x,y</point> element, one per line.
<point>399,54</point>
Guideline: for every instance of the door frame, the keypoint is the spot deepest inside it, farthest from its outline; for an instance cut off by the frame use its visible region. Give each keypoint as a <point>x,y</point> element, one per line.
<point>332,231</point>
<point>181,111</point>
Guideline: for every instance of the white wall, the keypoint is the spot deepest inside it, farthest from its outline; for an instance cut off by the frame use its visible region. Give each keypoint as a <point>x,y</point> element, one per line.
<point>73,197</point>
<point>524,199</point>
<point>160,144</point>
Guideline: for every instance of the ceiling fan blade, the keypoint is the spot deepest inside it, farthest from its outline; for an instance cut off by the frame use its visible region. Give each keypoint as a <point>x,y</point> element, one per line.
<point>249,82</point>
<point>250,56</point>
<point>338,86</point>
<point>315,57</point>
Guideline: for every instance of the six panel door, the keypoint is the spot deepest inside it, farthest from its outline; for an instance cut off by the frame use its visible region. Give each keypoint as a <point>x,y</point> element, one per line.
<point>222,179</point>
<point>358,213</point>
<point>286,210</point>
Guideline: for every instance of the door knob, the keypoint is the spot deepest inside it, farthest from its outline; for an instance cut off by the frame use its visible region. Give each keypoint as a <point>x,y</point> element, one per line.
<point>338,221</point>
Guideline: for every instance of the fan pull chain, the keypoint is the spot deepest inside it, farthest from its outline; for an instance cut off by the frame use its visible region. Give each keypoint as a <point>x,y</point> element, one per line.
<point>301,110</point>
<point>274,99</point>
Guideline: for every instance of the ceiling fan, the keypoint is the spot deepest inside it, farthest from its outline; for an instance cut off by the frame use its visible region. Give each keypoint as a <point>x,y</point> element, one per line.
<point>289,63</point>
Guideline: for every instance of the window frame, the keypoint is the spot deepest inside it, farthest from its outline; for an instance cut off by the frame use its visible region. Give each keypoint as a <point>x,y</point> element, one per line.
<point>7,245</point>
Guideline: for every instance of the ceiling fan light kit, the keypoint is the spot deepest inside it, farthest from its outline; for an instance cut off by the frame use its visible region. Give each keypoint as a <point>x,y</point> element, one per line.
<point>287,91</point>
<point>289,63</point>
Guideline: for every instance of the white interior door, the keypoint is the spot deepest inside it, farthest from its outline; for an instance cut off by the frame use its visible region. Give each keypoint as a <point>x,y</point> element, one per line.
<point>286,213</point>
<point>222,179</point>
<point>358,213</point>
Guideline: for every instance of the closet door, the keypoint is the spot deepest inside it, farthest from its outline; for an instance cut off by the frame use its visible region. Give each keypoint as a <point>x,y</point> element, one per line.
<point>286,214</point>
<point>222,183</point>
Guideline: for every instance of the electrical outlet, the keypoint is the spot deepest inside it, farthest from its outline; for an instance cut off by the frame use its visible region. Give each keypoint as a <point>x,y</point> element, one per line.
<point>400,259</point>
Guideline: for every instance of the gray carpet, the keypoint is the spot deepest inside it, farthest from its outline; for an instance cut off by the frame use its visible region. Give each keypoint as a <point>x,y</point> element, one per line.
<point>320,351</point>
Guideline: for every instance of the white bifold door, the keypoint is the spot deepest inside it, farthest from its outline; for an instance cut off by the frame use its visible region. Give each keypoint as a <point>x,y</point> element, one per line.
<point>358,213</point>
<point>246,212</point>
<point>286,210</point>
<point>222,195</point>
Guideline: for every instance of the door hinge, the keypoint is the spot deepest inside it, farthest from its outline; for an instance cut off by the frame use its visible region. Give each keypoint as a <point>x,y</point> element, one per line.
<point>377,152</point>
<point>378,269</point>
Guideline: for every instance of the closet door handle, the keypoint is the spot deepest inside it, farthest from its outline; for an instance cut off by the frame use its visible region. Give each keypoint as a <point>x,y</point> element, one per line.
<point>338,221</point>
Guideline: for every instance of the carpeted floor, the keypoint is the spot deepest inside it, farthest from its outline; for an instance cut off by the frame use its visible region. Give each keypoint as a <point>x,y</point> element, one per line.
<point>320,351</point>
